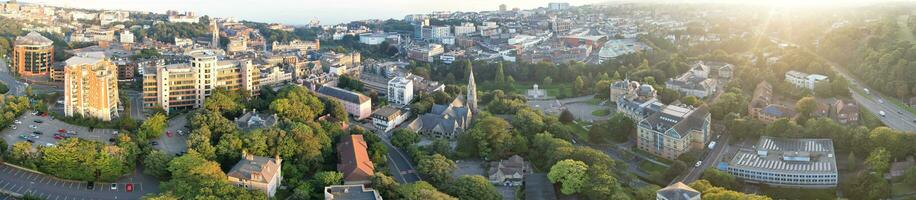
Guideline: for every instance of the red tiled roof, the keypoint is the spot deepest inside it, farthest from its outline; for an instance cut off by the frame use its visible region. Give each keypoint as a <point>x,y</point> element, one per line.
<point>354,159</point>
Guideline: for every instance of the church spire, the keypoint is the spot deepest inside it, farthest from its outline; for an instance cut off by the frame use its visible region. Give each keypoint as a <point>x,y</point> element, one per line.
<point>214,32</point>
<point>472,90</point>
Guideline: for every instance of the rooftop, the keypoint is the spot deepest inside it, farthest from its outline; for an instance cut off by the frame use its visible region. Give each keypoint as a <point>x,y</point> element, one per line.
<point>350,192</point>
<point>788,156</point>
<point>354,159</point>
<point>342,94</point>
<point>255,168</point>
<point>33,38</point>
<point>678,191</point>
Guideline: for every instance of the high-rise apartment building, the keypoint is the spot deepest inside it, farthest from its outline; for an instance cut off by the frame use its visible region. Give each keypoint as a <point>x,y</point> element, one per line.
<point>33,55</point>
<point>400,90</point>
<point>186,85</point>
<point>91,87</point>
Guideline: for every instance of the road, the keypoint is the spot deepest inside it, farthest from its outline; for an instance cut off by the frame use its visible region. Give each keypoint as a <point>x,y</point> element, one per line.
<point>896,117</point>
<point>712,159</point>
<point>16,88</point>
<point>136,104</point>
<point>400,166</point>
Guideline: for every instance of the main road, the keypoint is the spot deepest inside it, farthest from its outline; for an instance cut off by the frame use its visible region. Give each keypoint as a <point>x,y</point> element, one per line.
<point>894,117</point>
<point>16,88</point>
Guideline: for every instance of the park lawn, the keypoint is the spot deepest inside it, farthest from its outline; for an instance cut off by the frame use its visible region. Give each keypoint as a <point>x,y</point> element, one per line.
<point>650,167</point>
<point>577,129</point>
<point>601,113</point>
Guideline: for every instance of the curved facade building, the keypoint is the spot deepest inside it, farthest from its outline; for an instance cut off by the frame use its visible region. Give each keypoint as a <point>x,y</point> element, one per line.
<point>33,55</point>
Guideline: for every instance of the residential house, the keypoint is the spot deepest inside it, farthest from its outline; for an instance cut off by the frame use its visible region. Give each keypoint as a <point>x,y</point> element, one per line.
<point>350,192</point>
<point>355,164</point>
<point>846,112</point>
<point>255,172</point>
<point>509,172</point>
<point>677,191</point>
<point>387,118</point>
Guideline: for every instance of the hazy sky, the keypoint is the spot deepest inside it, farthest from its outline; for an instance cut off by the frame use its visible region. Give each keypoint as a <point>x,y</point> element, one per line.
<point>301,11</point>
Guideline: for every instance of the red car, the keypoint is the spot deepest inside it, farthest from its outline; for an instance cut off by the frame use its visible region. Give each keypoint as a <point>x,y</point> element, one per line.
<point>57,137</point>
<point>168,133</point>
<point>62,131</point>
<point>129,187</point>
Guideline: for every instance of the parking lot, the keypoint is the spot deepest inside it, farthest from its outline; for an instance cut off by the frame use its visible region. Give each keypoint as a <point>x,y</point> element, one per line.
<point>47,187</point>
<point>174,143</point>
<point>48,128</point>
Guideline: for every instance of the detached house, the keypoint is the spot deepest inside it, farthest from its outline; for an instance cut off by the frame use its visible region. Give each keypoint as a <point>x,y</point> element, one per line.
<point>509,172</point>
<point>255,172</point>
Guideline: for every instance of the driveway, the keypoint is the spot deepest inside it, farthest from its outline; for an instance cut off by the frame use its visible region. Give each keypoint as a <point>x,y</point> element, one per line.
<point>20,181</point>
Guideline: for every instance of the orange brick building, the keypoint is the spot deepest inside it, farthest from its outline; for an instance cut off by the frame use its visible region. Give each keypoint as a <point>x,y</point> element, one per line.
<point>33,55</point>
<point>91,87</point>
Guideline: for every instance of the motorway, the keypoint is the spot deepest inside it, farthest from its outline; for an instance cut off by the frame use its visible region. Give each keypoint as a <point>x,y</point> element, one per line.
<point>896,117</point>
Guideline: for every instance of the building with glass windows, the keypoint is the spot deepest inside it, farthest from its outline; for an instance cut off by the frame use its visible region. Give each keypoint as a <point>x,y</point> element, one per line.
<point>807,163</point>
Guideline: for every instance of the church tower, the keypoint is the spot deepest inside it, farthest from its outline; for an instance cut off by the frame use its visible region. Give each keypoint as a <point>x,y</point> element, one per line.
<point>214,31</point>
<point>472,90</point>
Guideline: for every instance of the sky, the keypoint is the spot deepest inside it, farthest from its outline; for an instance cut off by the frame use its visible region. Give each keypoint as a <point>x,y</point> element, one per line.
<point>298,12</point>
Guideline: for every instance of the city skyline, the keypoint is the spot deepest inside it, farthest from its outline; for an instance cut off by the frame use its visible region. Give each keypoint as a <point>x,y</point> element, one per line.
<point>293,13</point>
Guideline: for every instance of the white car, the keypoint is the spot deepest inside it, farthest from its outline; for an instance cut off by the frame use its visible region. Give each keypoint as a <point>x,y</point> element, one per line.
<point>114,186</point>
<point>17,122</point>
<point>698,163</point>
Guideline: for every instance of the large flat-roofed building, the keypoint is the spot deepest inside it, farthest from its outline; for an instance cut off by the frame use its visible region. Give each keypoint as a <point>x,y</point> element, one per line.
<point>33,55</point>
<point>91,88</point>
<point>358,105</point>
<point>804,80</point>
<point>186,85</point>
<point>808,163</point>
<point>350,192</point>
<point>674,130</point>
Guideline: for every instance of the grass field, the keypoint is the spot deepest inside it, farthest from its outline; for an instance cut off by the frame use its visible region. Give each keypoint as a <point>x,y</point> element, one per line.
<point>578,130</point>
<point>601,113</point>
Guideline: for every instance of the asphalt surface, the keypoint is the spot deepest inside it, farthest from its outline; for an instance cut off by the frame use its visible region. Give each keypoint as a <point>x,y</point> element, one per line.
<point>16,88</point>
<point>47,187</point>
<point>400,166</point>
<point>711,159</point>
<point>48,128</point>
<point>177,143</point>
<point>896,117</point>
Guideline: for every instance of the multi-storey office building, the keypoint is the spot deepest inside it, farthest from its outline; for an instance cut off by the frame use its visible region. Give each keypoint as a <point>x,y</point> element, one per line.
<point>91,87</point>
<point>674,130</point>
<point>33,55</point>
<point>186,85</point>
<point>808,163</point>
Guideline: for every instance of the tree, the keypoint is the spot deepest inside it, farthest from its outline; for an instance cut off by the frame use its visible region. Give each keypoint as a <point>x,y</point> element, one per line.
<point>21,153</point>
<point>303,191</point>
<point>385,185</point>
<point>647,192</point>
<point>691,100</point>
<point>717,177</point>
<point>224,101</point>
<point>327,178</point>
<point>879,160</point>
<point>566,117</point>
<point>488,138</point>
<point>569,173</point>
<point>422,190</point>
<point>528,122</point>
<point>717,193</point>
<point>194,177</point>
<point>910,177</point>
<point>153,127</point>
<point>579,85</point>
<point>500,75</point>
<point>436,168</point>
<point>156,163</point>
<point>474,187</point>
<point>547,81</point>
<point>336,110</point>
<point>298,104</point>
<point>402,138</point>
<point>805,106</point>
<point>727,103</point>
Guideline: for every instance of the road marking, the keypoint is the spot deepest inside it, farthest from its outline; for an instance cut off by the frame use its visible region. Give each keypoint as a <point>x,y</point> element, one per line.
<point>4,185</point>
<point>44,179</point>
<point>17,173</point>
<point>30,176</point>
<point>20,189</point>
<point>56,197</point>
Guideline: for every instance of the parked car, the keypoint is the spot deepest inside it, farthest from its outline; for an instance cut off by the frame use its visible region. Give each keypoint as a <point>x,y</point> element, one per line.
<point>38,121</point>
<point>90,185</point>
<point>129,187</point>
<point>114,186</point>
<point>17,122</point>
<point>154,143</point>
<point>30,141</point>
<point>37,132</point>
